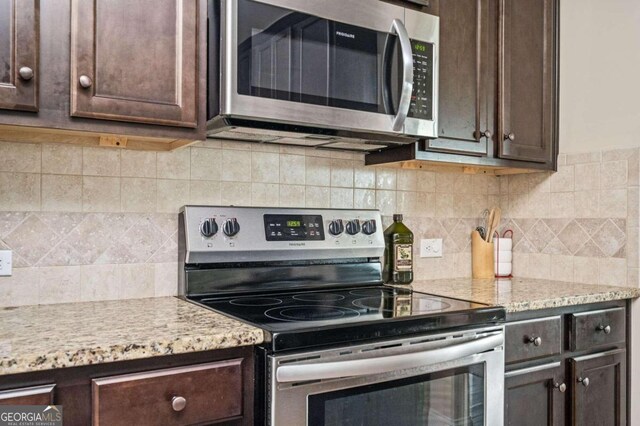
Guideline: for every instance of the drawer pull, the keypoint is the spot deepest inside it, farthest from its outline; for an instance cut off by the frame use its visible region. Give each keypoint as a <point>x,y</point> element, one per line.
<point>178,403</point>
<point>561,387</point>
<point>605,328</point>
<point>537,341</point>
<point>584,381</point>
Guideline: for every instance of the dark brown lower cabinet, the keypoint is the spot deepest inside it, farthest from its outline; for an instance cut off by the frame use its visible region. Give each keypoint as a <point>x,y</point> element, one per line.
<point>536,396</point>
<point>36,395</point>
<point>599,389</point>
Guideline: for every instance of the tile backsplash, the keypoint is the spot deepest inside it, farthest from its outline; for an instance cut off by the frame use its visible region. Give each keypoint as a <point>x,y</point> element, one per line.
<point>101,223</point>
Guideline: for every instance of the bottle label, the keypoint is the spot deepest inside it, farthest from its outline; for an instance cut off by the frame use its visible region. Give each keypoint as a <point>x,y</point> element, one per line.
<point>404,260</point>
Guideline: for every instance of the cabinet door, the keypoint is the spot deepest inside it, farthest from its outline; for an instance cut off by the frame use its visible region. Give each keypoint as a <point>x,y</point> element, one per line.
<point>535,396</point>
<point>528,80</point>
<point>37,395</point>
<point>135,61</point>
<point>599,384</point>
<point>467,77</point>
<point>19,28</point>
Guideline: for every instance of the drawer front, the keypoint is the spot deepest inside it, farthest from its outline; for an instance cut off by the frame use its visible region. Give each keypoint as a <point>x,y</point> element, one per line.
<point>37,395</point>
<point>178,396</point>
<point>606,327</point>
<point>532,339</point>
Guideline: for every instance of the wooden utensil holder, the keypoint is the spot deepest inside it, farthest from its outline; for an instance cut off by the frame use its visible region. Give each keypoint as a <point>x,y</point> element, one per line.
<point>481,257</point>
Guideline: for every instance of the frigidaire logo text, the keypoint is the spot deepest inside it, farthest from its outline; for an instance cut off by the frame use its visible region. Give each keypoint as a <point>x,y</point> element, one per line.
<point>342,34</point>
<point>297,244</point>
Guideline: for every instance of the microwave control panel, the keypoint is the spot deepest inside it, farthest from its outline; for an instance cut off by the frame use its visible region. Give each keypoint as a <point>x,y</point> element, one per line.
<point>422,95</point>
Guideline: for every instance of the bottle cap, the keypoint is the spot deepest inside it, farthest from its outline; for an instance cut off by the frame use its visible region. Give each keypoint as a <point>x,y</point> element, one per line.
<point>397,218</point>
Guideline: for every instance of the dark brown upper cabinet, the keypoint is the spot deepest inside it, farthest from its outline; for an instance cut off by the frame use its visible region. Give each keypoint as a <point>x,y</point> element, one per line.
<point>19,38</point>
<point>135,61</point>
<point>528,82</point>
<point>467,77</point>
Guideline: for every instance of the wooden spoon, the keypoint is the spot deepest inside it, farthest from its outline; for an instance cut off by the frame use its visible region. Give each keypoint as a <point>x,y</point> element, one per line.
<point>495,222</point>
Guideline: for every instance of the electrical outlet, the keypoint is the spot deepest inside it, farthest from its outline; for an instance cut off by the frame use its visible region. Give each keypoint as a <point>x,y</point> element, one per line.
<point>5,263</point>
<point>431,248</point>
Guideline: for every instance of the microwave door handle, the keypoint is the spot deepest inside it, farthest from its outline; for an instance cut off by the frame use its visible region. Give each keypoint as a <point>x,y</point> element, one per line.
<point>379,365</point>
<point>399,29</point>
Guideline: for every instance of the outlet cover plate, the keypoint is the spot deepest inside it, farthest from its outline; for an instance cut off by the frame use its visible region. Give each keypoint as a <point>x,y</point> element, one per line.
<point>5,263</point>
<point>431,247</point>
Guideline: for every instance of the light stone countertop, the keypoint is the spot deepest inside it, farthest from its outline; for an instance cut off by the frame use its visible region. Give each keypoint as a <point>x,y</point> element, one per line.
<point>524,294</point>
<point>42,337</point>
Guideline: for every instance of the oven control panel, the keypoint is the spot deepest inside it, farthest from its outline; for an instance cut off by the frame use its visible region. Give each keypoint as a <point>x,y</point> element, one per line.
<point>220,234</point>
<point>422,96</point>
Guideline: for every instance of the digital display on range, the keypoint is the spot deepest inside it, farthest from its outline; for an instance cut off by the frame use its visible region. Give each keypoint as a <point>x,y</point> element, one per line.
<point>280,227</point>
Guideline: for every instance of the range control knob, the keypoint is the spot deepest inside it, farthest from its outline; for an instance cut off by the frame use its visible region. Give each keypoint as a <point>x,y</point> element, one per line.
<point>208,227</point>
<point>353,227</point>
<point>231,227</point>
<point>369,227</point>
<point>336,227</point>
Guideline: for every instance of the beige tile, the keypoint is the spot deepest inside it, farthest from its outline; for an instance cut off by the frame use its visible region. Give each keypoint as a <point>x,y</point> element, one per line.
<point>612,271</point>
<point>519,205</point>
<point>539,182</point>
<point>364,199</point>
<point>562,159</point>
<point>62,193</point>
<point>100,194</point>
<point>407,180</point>
<point>562,268</point>
<point>587,203</point>
<point>292,170</point>
<point>480,184</point>
<point>204,192</point>
<point>587,177</point>
<point>166,279</point>
<point>633,207</point>
<point>19,191</point>
<point>237,145</point>
<point>265,147</point>
<point>138,163</point>
<point>584,157</point>
<point>539,204</point>
<point>426,181</point>
<point>292,195</point>
<point>342,173</point>
<point>20,157</point>
<point>445,183</point>
<point>342,198</point>
<point>174,164</point>
<point>562,205</point>
<point>59,284</point>
<point>236,166</point>
<point>100,162</point>
<point>425,204</point>
<point>318,171</point>
<point>386,201</point>
<point>614,174</point>
<point>297,150</point>
<point>137,280</point>
<point>206,164</point>
<point>444,206</point>
<point>138,195</point>
<point>99,282</point>
<point>633,277</point>
<point>462,206</point>
<point>171,195</point>
<point>265,167</point>
<point>563,180</point>
<point>265,194</point>
<point>462,184</point>
<point>364,177</point>
<point>318,196</point>
<point>613,203</point>
<point>209,143</point>
<point>385,178</point>
<point>539,266</point>
<point>62,159</point>
<point>633,247</point>
<point>21,288</point>
<point>406,202</point>
<point>585,270</point>
<point>235,193</point>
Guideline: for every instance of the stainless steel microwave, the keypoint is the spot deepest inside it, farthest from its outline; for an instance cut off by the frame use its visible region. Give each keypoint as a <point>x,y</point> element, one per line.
<point>356,74</point>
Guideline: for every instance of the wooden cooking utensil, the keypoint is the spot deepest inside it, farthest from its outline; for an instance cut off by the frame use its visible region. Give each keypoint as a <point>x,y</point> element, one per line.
<point>496,215</point>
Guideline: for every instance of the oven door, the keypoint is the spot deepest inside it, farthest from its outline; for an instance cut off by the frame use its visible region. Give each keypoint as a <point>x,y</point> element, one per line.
<point>453,379</point>
<point>349,65</point>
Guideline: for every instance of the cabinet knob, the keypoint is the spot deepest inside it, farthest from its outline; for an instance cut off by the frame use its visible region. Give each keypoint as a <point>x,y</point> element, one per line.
<point>487,134</point>
<point>85,81</point>
<point>584,381</point>
<point>537,341</point>
<point>605,328</point>
<point>510,137</point>
<point>178,403</point>
<point>26,73</point>
<point>561,387</point>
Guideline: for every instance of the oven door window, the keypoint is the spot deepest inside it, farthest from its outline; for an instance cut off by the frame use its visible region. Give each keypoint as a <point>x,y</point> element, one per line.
<point>451,397</point>
<point>293,56</point>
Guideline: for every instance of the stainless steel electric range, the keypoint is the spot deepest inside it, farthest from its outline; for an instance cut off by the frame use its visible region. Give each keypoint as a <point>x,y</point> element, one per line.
<point>340,346</point>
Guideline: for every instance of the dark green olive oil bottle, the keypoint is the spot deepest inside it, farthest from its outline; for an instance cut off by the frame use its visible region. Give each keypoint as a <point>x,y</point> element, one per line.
<point>398,253</point>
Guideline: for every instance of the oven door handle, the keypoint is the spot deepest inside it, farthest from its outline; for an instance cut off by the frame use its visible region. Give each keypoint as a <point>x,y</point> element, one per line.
<point>398,28</point>
<point>379,365</point>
